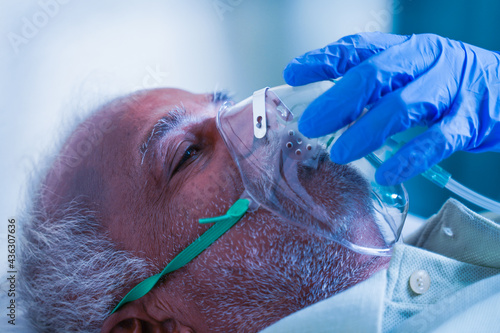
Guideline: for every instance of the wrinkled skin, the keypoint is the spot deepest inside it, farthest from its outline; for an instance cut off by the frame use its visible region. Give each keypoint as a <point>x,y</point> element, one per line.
<point>261,270</point>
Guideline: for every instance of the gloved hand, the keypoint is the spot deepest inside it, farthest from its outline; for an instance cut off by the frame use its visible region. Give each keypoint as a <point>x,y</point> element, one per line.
<point>451,87</point>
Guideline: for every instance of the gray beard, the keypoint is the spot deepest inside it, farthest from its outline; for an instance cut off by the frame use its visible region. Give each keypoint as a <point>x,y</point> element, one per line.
<point>276,270</point>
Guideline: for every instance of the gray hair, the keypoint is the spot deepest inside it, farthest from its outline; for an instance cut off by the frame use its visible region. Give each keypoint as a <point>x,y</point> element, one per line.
<point>71,274</point>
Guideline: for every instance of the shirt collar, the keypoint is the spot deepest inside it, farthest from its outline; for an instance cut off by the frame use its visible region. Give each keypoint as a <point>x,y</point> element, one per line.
<point>459,233</point>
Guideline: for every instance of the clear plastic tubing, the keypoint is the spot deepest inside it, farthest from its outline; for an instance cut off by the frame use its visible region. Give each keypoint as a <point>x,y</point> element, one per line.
<point>442,178</point>
<point>472,196</point>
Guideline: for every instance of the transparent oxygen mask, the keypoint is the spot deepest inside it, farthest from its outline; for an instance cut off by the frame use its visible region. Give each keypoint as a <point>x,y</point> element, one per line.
<point>282,171</point>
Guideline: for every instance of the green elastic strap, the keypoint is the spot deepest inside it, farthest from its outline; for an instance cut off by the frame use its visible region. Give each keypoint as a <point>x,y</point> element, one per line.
<point>222,224</point>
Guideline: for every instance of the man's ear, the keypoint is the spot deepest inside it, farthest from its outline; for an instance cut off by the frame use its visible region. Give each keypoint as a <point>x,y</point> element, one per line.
<point>129,318</point>
<point>133,318</point>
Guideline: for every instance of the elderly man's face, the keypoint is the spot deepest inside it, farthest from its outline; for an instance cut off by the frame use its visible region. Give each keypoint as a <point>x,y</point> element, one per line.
<point>156,164</point>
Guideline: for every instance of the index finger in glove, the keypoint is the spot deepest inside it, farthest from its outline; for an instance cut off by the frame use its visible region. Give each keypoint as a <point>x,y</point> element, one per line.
<point>335,59</point>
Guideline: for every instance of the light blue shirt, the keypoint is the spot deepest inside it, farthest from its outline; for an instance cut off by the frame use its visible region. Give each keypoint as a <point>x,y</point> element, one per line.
<point>460,252</point>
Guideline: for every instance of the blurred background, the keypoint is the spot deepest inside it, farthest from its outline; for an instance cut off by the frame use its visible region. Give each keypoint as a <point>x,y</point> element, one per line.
<point>59,58</point>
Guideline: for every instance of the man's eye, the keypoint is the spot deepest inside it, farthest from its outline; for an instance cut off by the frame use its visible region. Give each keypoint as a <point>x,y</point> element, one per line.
<point>190,154</point>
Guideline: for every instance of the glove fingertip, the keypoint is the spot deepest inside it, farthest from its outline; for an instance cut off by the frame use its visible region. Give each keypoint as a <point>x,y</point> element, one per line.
<point>340,154</point>
<point>306,128</point>
<point>397,169</point>
<point>389,176</point>
<point>289,74</point>
<point>298,74</point>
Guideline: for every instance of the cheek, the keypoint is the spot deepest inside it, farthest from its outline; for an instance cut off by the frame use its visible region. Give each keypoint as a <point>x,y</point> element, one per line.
<point>208,193</point>
<point>258,239</point>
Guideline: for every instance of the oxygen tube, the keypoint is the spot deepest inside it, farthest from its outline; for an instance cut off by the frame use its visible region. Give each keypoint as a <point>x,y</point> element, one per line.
<point>439,177</point>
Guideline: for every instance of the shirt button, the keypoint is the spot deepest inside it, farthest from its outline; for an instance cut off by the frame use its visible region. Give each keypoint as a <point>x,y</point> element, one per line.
<point>420,281</point>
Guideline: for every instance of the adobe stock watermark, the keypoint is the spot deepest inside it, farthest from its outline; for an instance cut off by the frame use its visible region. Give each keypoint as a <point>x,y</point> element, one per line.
<point>11,271</point>
<point>153,78</point>
<point>32,24</point>
<point>91,133</point>
<point>223,6</point>
<point>381,18</point>
<point>422,150</point>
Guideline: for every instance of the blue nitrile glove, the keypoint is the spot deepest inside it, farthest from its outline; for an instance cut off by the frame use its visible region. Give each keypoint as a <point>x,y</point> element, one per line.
<point>449,86</point>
